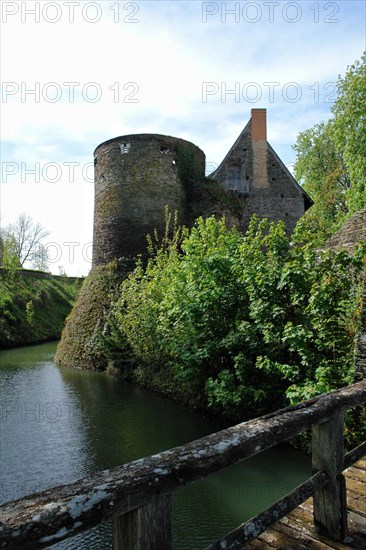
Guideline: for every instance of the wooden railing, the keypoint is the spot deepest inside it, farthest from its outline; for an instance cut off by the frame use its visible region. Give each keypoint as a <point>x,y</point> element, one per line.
<point>137,496</point>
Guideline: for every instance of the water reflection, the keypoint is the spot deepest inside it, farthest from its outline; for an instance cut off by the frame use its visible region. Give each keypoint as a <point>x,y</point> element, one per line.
<point>43,439</point>
<point>59,424</point>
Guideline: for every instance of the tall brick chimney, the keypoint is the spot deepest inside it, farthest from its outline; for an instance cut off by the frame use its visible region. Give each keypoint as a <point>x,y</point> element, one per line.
<point>259,146</point>
<point>259,124</point>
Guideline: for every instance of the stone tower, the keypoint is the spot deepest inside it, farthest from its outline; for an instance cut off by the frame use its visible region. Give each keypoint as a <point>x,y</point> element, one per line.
<point>136,177</point>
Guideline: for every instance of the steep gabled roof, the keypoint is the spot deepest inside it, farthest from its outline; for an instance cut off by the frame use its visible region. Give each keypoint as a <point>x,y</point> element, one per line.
<point>245,130</point>
<point>287,171</point>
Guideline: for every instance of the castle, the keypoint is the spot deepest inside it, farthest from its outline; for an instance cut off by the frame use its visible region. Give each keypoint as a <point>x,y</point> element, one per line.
<point>136,178</point>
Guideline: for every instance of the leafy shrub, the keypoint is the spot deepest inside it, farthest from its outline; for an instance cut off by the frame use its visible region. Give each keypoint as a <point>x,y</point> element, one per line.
<point>253,321</point>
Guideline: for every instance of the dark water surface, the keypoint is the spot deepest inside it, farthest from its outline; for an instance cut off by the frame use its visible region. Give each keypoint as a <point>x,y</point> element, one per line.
<point>58,425</point>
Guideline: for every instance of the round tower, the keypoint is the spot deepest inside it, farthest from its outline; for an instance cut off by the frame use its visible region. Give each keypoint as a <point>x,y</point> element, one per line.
<point>136,177</point>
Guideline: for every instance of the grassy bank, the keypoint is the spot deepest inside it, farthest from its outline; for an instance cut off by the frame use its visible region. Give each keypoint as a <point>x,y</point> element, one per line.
<point>34,306</point>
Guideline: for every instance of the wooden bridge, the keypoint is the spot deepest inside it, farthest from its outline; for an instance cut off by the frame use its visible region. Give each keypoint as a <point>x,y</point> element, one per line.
<point>137,496</point>
<point>296,531</point>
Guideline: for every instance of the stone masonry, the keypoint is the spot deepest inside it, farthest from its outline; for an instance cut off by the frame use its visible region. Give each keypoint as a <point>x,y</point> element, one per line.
<point>253,169</point>
<point>138,176</point>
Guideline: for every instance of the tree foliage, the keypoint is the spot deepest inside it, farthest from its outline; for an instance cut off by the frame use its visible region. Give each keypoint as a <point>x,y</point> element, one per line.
<point>8,258</point>
<point>320,166</point>
<point>350,129</point>
<point>22,243</point>
<point>331,156</point>
<point>244,319</point>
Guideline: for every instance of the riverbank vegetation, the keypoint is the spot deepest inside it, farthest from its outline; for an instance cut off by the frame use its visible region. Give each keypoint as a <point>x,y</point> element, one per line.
<point>80,343</point>
<point>239,324</point>
<point>33,307</point>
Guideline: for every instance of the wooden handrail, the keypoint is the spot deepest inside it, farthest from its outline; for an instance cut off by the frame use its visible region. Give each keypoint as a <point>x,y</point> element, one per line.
<point>140,487</point>
<point>251,529</point>
<point>354,455</point>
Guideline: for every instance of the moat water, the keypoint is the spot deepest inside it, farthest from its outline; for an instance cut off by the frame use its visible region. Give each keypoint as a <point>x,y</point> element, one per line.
<point>58,425</point>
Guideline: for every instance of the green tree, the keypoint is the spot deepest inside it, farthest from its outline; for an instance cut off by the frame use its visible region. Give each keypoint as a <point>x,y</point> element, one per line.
<point>9,258</point>
<point>349,112</point>
<point>331,157</point>
<point>320,167</point>
<point>24,238</point>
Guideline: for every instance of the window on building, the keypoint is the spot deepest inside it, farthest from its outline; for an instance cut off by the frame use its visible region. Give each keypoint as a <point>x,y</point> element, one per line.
<point>246,186</point>
<point>234,178</point>
<point>125,147</point>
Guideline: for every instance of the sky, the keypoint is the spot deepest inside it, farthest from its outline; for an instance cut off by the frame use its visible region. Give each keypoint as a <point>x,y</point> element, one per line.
<point>76,73</point>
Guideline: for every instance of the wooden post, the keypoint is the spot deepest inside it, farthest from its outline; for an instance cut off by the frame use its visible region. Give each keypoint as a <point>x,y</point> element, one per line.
<point>330,502</point>
<point>146,528</point>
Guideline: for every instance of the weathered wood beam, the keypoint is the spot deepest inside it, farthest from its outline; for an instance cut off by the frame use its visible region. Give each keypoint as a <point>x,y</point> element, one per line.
<point>354,455</point>
<point>61,512</point>
<point>330,502</point>
<point>146,528</point>
<point>254,527</point>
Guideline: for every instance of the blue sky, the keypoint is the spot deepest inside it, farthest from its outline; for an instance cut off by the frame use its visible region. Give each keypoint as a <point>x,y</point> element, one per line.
<point>189,69</point>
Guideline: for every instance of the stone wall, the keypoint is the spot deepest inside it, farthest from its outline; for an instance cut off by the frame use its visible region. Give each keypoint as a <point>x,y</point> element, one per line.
<point>136,178</point>
<point>268,187</point>
<point>351,232</point>
<point>279,199</point>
